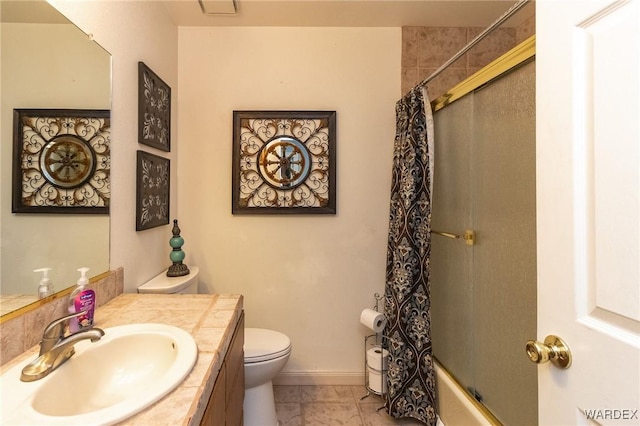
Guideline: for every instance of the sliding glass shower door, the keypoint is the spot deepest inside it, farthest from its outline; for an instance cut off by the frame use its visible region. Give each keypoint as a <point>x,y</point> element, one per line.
<point>484,295</point>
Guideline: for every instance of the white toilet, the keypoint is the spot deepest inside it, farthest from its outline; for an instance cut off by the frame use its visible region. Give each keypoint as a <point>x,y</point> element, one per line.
<point>162,284</point>
<point>265,353</point>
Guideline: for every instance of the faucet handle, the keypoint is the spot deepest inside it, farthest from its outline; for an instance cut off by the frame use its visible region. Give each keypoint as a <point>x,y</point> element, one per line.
<point>54,332</point>
<point>55,329</point>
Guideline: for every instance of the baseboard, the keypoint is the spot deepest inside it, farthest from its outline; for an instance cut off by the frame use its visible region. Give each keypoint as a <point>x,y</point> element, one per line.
<point>325,378</point>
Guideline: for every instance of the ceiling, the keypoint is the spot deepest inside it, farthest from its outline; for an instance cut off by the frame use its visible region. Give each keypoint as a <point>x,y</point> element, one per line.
<point>309,13</point>
<point>346,13</point>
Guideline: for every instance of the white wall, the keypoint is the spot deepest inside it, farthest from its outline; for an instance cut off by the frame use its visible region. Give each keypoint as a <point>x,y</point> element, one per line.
<point>132,32</point>
<point>307,276</point>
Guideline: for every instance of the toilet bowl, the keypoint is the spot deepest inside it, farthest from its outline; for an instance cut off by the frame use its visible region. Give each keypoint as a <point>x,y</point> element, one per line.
<point>162,284</point>
<point>265,353</point>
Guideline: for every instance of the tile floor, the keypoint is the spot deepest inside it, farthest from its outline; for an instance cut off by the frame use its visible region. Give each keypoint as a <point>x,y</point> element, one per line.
<point>331,406</point>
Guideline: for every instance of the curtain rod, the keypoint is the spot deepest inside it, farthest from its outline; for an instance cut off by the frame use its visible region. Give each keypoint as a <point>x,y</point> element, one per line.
<point>516,7</point>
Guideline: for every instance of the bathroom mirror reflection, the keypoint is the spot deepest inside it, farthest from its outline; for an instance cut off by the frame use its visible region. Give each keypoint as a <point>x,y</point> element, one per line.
<point>46,63</point>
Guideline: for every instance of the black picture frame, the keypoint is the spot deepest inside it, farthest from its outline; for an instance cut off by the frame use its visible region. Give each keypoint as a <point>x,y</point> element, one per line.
<point>153,178</point>
<point>154,109</point>
<point>284,162</point>
<point>61,161</point>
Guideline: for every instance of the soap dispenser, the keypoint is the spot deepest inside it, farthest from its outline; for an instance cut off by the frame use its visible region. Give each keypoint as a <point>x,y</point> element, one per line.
<point>82,299</point>
<point>46,286</point>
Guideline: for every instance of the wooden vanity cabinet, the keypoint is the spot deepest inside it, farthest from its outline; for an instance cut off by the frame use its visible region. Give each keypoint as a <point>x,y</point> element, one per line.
<point>225,404</point>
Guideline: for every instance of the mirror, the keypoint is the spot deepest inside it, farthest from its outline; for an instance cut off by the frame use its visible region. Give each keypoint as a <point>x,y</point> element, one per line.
<point>46,63</point>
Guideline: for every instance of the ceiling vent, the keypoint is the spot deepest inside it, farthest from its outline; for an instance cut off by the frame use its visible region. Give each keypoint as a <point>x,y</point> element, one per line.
<point>218,7</point>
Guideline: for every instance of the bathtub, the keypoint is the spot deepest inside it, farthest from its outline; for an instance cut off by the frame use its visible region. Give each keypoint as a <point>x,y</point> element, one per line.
<point>456,407</point>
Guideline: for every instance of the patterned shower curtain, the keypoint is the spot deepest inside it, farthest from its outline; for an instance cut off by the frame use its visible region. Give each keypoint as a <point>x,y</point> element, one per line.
<point>411,387</point>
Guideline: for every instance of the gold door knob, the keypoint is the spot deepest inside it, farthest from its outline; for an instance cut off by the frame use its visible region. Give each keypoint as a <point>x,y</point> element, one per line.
<point>553,349</point>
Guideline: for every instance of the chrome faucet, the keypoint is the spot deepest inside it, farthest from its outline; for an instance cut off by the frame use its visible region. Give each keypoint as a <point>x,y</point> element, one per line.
<point>56,348</point>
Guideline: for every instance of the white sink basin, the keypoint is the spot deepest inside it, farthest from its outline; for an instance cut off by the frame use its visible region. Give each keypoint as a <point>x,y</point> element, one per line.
<point>105,382</point>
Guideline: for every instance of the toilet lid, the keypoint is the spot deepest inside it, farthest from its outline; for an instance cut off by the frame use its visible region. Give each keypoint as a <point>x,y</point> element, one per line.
<point>262,345</point>
<point>162,284</point>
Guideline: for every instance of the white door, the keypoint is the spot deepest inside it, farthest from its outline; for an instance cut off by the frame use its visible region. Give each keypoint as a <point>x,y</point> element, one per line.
<point>588,207</point>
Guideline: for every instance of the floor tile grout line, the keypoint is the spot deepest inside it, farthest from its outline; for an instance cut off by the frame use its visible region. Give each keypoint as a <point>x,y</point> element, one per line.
<point>331,395</point>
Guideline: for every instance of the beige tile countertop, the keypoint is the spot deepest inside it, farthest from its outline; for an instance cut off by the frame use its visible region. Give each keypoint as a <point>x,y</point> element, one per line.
<point>210,318</point>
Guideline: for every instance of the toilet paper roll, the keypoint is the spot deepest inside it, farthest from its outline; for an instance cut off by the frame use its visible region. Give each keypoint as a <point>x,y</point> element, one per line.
<point>377,382</point>
<point>377,358</point>
<point>373,320</point>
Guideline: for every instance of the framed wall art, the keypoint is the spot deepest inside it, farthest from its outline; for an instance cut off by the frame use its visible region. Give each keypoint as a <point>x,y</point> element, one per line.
<point>284,162</point>
<point>61,161</point>
<point>152,190</point>
<point>154,109</point>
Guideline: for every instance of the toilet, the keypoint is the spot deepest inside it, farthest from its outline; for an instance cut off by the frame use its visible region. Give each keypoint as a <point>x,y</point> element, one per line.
<point>162,284</point>
<point>265,353</point>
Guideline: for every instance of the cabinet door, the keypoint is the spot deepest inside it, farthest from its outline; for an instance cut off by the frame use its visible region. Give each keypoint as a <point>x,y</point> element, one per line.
<point>227,398</point>
<point>235,377</point>
<point>215,413</point>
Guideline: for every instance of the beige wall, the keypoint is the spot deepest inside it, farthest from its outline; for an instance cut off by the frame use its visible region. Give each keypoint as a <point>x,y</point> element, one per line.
<point>307,276</point>
<point>132,32</point>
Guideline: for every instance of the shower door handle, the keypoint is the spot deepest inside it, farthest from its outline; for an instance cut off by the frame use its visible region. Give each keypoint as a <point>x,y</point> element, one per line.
<point>553,349</point>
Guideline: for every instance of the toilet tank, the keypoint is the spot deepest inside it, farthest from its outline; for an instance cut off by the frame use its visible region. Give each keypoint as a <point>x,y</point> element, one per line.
<point>162,284</point>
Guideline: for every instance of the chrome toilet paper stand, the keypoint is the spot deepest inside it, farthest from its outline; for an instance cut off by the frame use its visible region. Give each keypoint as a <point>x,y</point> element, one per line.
<point>370,342</point>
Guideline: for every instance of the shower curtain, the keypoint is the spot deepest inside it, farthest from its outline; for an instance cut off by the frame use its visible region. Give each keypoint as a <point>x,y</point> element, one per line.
<point>411,383</point>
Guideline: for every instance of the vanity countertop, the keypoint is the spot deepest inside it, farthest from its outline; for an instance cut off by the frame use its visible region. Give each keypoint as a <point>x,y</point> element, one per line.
<point>210,318</point>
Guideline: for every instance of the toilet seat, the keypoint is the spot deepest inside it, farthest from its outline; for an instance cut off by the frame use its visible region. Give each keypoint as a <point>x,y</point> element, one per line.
<point>263,345</point>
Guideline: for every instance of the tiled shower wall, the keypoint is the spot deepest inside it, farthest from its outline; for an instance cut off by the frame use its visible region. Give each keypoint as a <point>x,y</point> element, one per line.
<point>425,49</point>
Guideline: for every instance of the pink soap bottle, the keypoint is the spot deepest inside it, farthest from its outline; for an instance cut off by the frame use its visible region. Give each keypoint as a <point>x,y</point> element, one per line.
<point>82,299</point>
